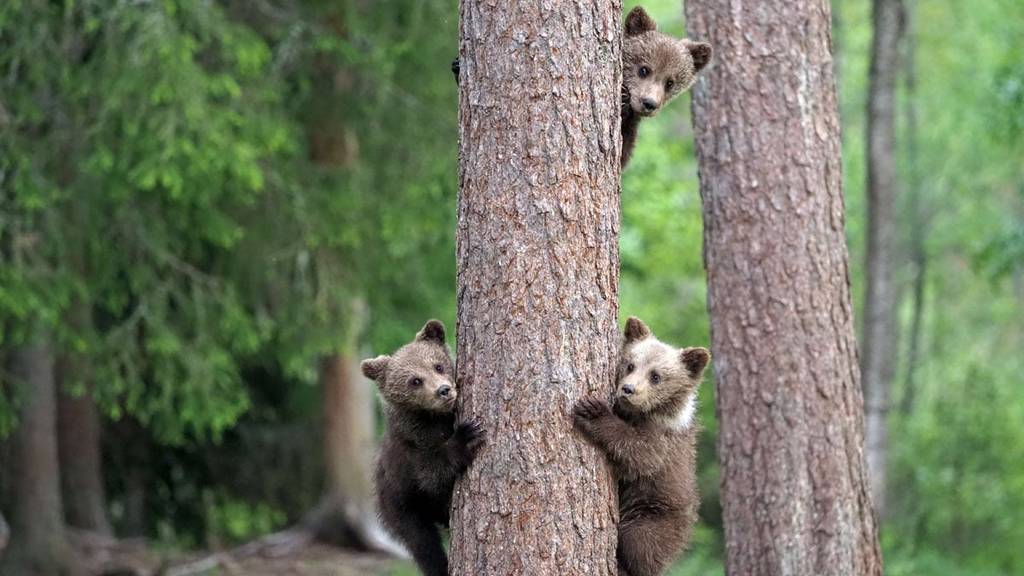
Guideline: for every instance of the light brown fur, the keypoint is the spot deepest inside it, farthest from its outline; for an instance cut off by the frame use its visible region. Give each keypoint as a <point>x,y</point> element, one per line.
<point>650,439</point>
<point>655,69</point>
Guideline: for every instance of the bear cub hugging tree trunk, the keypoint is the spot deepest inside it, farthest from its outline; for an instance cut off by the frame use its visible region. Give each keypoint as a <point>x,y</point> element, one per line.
<point>423,450</point>
<point>655,69</point>
<point>650,438</point>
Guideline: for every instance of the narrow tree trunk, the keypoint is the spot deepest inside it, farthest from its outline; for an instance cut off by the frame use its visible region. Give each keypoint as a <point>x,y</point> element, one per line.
<point>795,490</point>
<point>78,431</point>
<point>538,275</point>
<point>878,336</point>
<point>38,542</point>
<point>919,221</point>
<point>81,463</point>
<point>347,516</point>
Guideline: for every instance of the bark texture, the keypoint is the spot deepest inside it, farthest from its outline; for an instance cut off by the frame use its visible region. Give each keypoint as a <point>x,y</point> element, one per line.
<point>795,490</point>
<point>878,335</point>
<point>538,275</point>
<point>38,542</point>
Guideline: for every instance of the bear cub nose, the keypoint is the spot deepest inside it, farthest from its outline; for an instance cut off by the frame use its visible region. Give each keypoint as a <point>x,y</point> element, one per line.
<point>444,391</point>
<point>649,104</point>
<point>628,390</point>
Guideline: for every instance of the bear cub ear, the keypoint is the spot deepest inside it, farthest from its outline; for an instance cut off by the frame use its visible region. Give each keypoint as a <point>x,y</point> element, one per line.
<point>432,331</point>
<point>695,360</point>
<point>638,22</point>
<point>636,329</point>
<point>701,54</point>
<point>374,368</point>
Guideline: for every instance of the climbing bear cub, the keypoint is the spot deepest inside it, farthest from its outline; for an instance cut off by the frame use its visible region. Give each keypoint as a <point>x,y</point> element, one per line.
<point>655,69</point>
<point>650,436</point>
<point>424,449</point>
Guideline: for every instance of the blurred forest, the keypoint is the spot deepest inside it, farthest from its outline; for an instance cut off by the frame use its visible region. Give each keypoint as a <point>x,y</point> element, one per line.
<point>210,209</point>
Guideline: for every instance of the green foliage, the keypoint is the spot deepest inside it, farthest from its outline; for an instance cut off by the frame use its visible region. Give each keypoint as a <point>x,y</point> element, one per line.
<point>232,521</point>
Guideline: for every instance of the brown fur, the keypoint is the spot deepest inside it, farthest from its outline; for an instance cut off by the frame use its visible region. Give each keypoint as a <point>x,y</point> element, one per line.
<point>655,69</point>
<point>423,450</point>
<point>654,458</point>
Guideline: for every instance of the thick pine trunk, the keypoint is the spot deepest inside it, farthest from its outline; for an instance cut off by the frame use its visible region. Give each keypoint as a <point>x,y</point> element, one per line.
<point>538,275</point>
<point>795,490</point>
<point>878,336</point>
<point>38,542</point>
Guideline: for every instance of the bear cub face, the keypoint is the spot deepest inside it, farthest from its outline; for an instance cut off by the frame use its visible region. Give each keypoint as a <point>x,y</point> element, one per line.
<point>655,380</point>
<point>657,67</point>
<point>419,375</point>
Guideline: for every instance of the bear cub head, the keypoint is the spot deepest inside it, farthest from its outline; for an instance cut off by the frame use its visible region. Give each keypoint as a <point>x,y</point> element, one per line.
<point>655,380</point>
<point>657,67</point>
<point>418,376</point>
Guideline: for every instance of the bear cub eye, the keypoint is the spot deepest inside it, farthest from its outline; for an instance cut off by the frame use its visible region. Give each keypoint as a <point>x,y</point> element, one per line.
<point>655,377</point>
<point>439,368</point>
<point>669,84</point>
<point>644,72</point>
<point>416,382</point>
<point>630,367</point>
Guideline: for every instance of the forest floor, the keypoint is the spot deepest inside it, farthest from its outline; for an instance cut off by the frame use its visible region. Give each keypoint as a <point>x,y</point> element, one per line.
<point>102,556</point>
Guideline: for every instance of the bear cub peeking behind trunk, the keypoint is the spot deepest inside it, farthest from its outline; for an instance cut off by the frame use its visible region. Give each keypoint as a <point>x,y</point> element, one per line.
<point>655,69</point>
<point>423,450</point>
<point>649,436</point>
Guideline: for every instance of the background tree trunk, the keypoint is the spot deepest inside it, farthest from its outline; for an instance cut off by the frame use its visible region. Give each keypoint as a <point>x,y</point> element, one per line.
<point>81,464</point>
<point>78,432</point>
<point>347,516</point>
<point>919,218</point>
<point>538,274</point>
<point>878,336</point>
<point>38,542</point>
<point>795,491</point>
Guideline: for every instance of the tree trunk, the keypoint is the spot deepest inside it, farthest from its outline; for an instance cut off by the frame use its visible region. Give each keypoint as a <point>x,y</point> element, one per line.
<point>347,516</point>
<point>878,336</point>
<point>78,431</point>
<point>795,491</point>
<point>81,463</point>
<point>919,220</point>
<point>538,274</point>
<point>38,542</point>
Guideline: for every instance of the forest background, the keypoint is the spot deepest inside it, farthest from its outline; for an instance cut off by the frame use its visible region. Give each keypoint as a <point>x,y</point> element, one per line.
<point>209,210</point>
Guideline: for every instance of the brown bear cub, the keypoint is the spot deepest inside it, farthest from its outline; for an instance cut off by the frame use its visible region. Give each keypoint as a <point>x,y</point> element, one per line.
<point>424,448</point>
<point>650,436</point>
<point>655,69</point>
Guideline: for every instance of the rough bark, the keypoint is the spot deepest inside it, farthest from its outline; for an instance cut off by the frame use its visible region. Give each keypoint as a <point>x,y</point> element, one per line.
<point>38,542</point>
<point>795,490</point>
<point>538,274</point>
<point>878,336</point>
<point>78,433</point>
